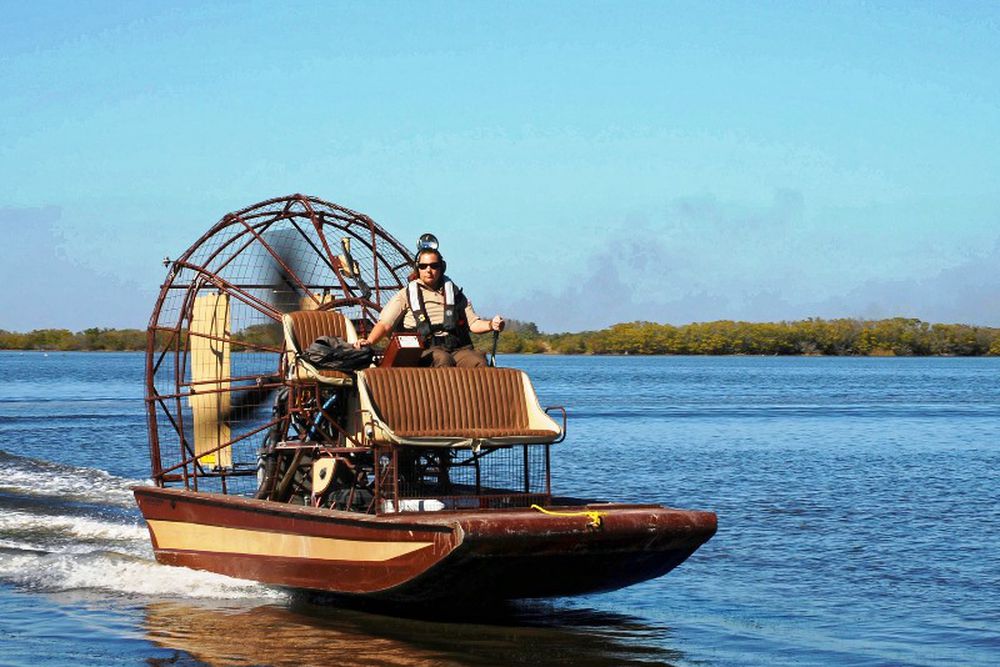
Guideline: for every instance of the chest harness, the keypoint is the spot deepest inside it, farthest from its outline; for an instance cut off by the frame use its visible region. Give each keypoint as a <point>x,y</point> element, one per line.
<point>453,332</point>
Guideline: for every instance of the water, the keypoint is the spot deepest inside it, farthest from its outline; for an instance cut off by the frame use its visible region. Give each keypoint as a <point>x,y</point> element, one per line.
<point>858,502</point>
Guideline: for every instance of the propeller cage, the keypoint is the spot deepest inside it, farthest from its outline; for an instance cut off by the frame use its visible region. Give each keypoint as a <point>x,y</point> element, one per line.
<point>215,341</point>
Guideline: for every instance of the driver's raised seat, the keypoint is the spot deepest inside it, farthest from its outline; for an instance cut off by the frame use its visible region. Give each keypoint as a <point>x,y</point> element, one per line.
<point>301,328</point>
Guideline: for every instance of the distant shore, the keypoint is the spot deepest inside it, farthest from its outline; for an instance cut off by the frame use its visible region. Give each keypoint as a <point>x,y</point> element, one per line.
<point>840,337</point>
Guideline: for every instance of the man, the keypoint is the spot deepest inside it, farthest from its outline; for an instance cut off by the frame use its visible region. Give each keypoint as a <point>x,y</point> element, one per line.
<point>436,310</point>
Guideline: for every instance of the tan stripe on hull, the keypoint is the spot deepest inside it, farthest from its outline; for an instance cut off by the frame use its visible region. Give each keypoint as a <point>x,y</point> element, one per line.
<point>181,536</point>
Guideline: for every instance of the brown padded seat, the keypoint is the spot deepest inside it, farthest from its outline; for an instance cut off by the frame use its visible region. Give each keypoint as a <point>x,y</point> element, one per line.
<point>456,402</point>
<point>305,327</point>
<point>311,324</point>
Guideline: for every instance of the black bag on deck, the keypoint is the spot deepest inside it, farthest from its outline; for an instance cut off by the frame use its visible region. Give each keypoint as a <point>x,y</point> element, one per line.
<point>332,353</point>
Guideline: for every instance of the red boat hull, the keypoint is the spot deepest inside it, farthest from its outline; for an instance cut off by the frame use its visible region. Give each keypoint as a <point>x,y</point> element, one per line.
<point>415,557</point>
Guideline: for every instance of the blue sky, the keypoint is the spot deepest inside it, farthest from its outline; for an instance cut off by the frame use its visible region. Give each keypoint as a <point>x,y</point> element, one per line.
<point>582,163</point>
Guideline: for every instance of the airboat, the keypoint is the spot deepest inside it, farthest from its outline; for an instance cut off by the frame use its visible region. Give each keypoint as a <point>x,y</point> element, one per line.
<point>389,483</point>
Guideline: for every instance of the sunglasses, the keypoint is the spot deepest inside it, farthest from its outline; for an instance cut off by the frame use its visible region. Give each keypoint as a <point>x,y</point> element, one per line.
<point>431,265</point>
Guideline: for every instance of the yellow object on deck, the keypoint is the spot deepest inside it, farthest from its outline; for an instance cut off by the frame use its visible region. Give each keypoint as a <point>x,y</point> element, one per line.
<point>595,517</point>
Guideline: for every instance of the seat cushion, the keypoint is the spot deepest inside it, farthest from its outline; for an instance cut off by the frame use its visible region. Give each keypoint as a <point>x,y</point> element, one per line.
<point>322,375</point>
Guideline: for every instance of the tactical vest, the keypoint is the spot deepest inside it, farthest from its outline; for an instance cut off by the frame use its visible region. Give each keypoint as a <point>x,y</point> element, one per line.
<point>453,332</point>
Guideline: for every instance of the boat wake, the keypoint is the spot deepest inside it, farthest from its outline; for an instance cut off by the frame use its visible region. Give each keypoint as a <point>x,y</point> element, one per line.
<point>66,528</point>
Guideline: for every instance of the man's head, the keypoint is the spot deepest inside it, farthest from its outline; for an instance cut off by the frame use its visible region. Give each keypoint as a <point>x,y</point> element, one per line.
<point>430,267</point>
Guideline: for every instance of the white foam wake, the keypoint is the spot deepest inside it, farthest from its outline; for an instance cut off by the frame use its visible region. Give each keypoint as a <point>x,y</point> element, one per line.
<point>78,538</point>
<point>105,556</point>
<point>42,478</point>
<point>83,530</point>
<point>124,575</point>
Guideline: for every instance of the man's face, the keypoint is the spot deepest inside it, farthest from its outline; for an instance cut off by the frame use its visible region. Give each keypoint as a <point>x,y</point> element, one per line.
<point>429,268</point>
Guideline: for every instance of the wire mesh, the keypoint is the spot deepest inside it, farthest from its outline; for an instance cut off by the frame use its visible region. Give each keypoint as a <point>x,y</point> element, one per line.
<point>515,476</point>
<point>216,341</point>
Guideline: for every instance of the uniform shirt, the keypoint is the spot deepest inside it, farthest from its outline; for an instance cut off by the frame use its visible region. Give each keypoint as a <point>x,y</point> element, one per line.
<point>398,308</point>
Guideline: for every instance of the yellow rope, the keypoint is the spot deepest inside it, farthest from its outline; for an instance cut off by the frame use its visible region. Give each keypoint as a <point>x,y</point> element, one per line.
<point>595,517</point>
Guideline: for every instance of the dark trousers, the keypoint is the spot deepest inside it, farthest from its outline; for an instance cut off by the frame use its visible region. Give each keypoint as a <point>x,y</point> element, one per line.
<point>463,357</point>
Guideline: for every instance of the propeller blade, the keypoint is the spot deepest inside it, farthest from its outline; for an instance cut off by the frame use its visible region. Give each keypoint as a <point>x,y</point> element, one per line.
<point>247,400</point>
<point>286,270</point>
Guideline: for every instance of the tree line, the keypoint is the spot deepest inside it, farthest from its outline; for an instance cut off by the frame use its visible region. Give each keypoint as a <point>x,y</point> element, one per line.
<point>118,340</point>
<point>839,337</point>
<point>897,336</point>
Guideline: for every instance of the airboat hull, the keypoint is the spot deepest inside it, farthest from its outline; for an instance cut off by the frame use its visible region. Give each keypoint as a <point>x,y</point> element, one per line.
<point>417,557</point>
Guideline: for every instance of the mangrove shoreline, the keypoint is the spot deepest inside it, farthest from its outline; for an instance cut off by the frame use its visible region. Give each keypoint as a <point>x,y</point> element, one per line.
<point>815,337</point>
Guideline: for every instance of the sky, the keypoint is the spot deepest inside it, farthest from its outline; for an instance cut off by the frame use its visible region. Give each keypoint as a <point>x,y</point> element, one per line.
<point>582,163</point>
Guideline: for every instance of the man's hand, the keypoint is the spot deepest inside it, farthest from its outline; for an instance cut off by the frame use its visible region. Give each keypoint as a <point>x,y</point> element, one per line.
<point>377,333</point>
<point>497,323</point>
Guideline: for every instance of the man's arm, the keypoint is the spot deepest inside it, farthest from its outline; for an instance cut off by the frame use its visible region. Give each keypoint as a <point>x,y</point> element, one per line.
<point>483,326</point>
<point>387,321</point>
<point>477,324</point>
<point>379,331</point>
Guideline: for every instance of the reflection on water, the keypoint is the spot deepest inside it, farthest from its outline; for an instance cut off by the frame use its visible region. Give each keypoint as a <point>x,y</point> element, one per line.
<point>302,633</point>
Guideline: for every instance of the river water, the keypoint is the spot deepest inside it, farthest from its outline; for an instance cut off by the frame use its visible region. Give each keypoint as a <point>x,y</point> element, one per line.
<point>858,503</point>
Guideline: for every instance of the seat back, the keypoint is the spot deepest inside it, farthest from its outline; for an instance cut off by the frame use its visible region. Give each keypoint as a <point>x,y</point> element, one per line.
<point>301,328</point>
<point>454,406</point>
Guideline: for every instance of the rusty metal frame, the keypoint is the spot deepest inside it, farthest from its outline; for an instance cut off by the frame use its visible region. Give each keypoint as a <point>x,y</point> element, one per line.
<point>168,334</point>
<point>297,390</point>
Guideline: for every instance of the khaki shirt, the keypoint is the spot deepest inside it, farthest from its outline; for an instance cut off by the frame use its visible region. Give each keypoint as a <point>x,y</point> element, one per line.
<point>398,308</point>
